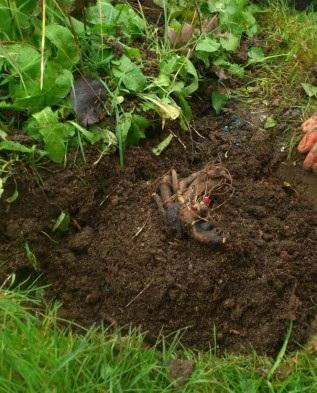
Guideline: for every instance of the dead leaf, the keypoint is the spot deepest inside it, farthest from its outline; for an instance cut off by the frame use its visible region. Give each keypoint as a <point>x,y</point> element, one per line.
<point>178,39</point>
<point>77,7</point>
<point>211,25</point>
<point>87,99</point>
<point>166,111</point>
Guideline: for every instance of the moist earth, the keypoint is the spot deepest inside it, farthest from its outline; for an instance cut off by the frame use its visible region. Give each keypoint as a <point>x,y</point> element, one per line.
<point>119,265</point>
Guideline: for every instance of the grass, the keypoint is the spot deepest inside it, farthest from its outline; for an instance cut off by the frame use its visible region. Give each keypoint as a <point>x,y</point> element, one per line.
<point>42,353</point>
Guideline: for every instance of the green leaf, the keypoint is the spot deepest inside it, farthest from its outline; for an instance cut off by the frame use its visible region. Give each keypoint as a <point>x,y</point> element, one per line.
<point>157,150</point>
<point>230,42</point>
<point>206,50</point>
<point>235,16</point>
<point>54,142</point>
<point>29,95</point>
<point>108,18</point>
<point>13,197</point>
<point>130,21</point>
<point>15,146</point>
<point>92,137</point>
<point>163,80</point>
<point>256,55</point>
<point>23,60</point>
<point>30,256</point>
<point>133,53</point>
<point>57,83</point>
<point>187,112</point>
<point>167,110</point>
<point>103,13</point>
<point>130,75</point>
<point>46,117</point>
<point>63,221</point>
<point>3,134</point>
<point>6,20</point>
<point>53,132</point>
<point>208,44</point>
<point>269,122</point>
<point>189,69</point>
<point>123,127</point>
<point>310,90</point>
<point>235,69</point>
<point>187,80</point>
<point>67,52</point>
<point>137,130</point>
<point>218,100</point>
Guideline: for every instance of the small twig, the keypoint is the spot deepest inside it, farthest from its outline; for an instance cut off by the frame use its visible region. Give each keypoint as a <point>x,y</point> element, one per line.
<point>141,228</point>
<point>107,196</point>
<point>179,140</point>
<point>140,293</point>
<point>201,136</point>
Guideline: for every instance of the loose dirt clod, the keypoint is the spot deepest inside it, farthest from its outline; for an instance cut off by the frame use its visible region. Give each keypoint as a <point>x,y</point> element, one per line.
<point>180,370</point>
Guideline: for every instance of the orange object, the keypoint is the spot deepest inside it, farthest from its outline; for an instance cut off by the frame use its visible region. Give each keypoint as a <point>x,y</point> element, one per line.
<point>310,161</point>
<point>309,123</point>
<point>308,141</point>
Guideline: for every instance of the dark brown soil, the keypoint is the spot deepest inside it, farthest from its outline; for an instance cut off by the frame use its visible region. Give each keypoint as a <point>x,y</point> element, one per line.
<point>118,263</point>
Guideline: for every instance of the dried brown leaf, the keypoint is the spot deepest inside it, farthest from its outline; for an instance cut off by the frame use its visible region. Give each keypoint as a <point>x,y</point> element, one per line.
<point>211,25</point>
<point>87,99</point>
<point>77,7</point>
<point>178,39</point>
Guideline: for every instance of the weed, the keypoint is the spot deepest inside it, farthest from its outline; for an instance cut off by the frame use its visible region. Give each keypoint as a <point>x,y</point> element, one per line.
<point>30,256</point>
<point>38,69</point>
<point>141,68</point>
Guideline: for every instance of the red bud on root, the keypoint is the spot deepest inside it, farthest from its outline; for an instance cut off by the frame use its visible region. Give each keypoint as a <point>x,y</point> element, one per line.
<point>206,200</point>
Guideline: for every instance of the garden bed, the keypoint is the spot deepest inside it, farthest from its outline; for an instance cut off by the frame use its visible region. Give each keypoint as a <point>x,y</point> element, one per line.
<point>118,264</point>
